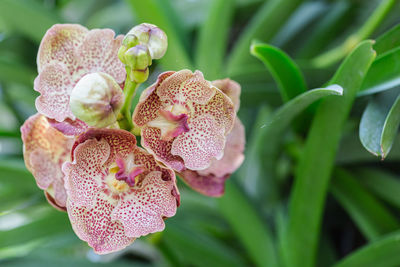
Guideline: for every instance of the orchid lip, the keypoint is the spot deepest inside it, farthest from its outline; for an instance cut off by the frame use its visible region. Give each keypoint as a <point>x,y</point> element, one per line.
<point>127,172</point>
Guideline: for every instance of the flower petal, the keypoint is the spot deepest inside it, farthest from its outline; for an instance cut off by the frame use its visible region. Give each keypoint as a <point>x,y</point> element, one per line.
<point>151,140</point>
<point>59,44</point>
<point>94,225</point>
<point>143,209</point>
<point>220,108</point>
<point>54,83</point>
<point>209,185</point>
<point>231,89</point>
<point>233,153</point>
<point>201,144</point>
<point>69,127</point>
<point>45,150</point>
<point>99,53</point>
<point>83,176</point>
<point>149,103</point>
<point>183,86</point>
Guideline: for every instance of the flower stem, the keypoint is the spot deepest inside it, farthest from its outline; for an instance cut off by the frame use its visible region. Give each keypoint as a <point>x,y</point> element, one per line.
<point>125,118</point>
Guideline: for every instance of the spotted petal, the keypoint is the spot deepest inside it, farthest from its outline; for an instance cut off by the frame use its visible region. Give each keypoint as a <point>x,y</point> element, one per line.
<point>112,213</point>
<point>231,89</point>
<point>68,52</point>
<point>201,144</point>
<point>45,150</point>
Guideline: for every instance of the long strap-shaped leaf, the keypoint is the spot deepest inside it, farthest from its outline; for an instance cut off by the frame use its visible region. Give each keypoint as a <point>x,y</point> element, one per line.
<point>382,253</point>
<point>213,37</point>
<point>262,250</point>
<point>264,25</point>
<point>281,67</point>
<point>316,163</point>
<point>372,218</point>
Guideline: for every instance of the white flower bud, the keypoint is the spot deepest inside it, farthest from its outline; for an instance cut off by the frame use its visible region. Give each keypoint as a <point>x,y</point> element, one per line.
<point>97,99</point>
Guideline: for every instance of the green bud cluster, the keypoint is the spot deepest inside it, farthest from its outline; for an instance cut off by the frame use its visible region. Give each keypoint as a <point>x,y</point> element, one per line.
<point>141,45</point>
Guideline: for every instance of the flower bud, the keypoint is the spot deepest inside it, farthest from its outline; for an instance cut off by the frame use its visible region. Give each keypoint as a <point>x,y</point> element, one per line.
<point>138,57</point>
<point>153,37</point>
<point>129,41</point>
<point>97,99</point>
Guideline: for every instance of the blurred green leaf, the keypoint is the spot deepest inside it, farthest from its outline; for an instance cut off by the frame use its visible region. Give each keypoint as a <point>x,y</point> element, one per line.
<point>263,25</point>
<point>374,20</point>
<point>12,71</point>
<point>382,183</point>
<point>380,122</point>
<point>316,162</point>
<point>254,234</point>
<point>28,17</point>
<point>213,37</point>
<point>384,74</point>
<point>199,249</point>
<point>159,12</point>
<point>383,253</point>
<point>371,217</point>
<point>281,67</point>
<point>388,41</point>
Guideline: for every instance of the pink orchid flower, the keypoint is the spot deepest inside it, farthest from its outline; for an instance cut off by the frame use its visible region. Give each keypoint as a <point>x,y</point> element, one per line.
<point>211,181</point>
<point>67,53</point>
<point>45,150</point>
<point>116,191</point>
<point>184,120</point>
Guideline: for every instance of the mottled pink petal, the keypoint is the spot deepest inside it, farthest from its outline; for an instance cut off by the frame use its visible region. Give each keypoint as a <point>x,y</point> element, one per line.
<point>84,176</point>
<point>66,53</point>
<point>142,210</point>
<point>211,181</point>
<point>209,185</point>
<point>69,127</point>
<point>94,225</point>
<point>99,53</point>
<point>220,108</point>
<point>185,86</point>
<point>149,102</point>
<point>201,144</point>
<point>151,140</point>
<point>233,153</point>
<point>116,212</point>
<point>231,89</point>
<point>55,84</point>
<point>45,150</point>
<point>59,44</point>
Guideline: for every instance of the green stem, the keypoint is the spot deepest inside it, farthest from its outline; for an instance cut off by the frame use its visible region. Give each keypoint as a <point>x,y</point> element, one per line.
<point>125,120</point>
<point>337,53</point>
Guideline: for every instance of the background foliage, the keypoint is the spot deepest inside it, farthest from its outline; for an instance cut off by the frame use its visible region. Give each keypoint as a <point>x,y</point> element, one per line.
<point>313,190</point>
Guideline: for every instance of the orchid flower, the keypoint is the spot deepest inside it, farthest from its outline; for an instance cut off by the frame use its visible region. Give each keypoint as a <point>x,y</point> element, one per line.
<point>184,120</point>
<point>116,191</point>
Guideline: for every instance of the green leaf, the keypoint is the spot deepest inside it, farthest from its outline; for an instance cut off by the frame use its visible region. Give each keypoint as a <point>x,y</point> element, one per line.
<point>388,41</point>
<point>263,26</point>
<point>12,71</point>
<point>383,253</point>
<point>281,67</point>
<point>316,163</point>
<point>52,223</point>
<point>213,37</point>
<point>254,234</point>
<point>28,17</point>
<point>158,12</point>
<point>371,217</point>
<point>382,183</point>
<point>384,74</point>
<point>380,122</point>
<point>199,248</point>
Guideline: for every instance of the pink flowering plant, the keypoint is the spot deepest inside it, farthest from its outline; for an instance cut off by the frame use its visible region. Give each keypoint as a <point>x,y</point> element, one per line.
<point>81,145</point>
